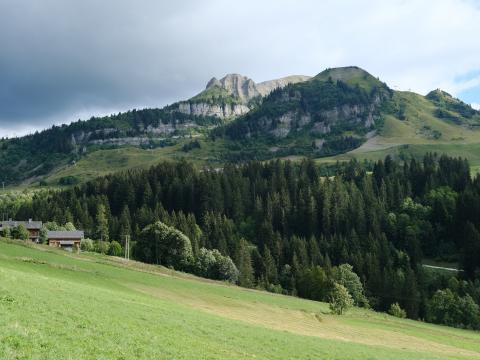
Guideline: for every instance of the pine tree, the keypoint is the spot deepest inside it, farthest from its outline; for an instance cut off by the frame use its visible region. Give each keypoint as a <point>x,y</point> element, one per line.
<point>102,223</point>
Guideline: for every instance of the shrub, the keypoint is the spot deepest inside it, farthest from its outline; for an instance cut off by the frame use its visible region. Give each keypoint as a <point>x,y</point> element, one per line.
<point>115,248</point>
<point>87,245</point>
<point>6,233</point>
<point>340,299</point>
<point>20,232</point>
<point>344,275</point>
<point>102,247</point>
<point>162,244</point>
<point>213,265</point>
<point>397,311</point>
<point>43,238</point>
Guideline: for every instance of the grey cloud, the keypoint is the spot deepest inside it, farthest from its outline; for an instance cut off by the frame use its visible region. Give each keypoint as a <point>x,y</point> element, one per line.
<point>60,59</point>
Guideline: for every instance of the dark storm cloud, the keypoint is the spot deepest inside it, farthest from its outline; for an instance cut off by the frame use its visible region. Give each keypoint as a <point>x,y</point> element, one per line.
<point>60,56</point>
<point>65,59</point>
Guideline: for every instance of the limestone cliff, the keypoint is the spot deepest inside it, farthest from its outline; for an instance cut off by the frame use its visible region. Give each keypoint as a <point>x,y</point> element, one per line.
<point>232,96</point>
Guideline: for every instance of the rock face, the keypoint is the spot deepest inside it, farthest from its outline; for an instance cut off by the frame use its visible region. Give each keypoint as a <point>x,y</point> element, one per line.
<point>283,125</point>
<point>238,92</point>
<point>237,85</point>
<point>266,87</point>
<point>218,110</point>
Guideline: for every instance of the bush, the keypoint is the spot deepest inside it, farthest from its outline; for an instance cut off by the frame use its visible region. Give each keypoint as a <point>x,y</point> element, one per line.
<point>102,247</point>
<point>213,265</point>
<point>5,233</point>
<point>87,245</point>
<point>448,308</point>
<point>344,275</point>
<point>161,244</point>
<point>68,180</point>
<point>115,249</point>
<point>43,237</point>
<point>340,299</point>
<point>20,232</point>
<point>397,311</point>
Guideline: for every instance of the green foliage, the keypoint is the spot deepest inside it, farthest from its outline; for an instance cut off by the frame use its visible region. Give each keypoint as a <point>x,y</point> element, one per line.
<point>448,308</point>
<point>115,249</point>
<point>102,223</point>
<point>68,180</point>
<point>397,311</point>
<point>340,299</point>
<point>69,227</point>
<point>447,105</point>
<point>313,283</point>
<point>19,232</point>
<point>43,236</point>
<point>87,245</point>
<point>215,95</point>
<point>195,144</point>
<point>243,260</point>
<point>345,276</point>
<point>162,244</point>
<point>6,233</point>
<point>102,247</point>
<point>212,264</point>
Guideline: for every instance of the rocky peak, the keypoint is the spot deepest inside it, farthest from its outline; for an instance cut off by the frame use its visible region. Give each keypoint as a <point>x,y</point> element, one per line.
<point>237,85</point>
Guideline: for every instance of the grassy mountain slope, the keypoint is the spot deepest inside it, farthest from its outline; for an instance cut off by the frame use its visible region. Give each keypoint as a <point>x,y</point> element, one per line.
<point>54,304</point>
<point>418,130</point>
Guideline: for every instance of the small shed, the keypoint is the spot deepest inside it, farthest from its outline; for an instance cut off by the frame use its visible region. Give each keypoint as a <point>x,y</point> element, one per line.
<point>68,240</point>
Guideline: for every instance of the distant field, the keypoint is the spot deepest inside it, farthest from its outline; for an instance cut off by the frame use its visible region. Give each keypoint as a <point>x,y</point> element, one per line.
<point>54,304</point>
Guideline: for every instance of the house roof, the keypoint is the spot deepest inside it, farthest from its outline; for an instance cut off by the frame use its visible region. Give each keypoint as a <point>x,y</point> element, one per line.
<point>76,234</point>
<point>28,224</point>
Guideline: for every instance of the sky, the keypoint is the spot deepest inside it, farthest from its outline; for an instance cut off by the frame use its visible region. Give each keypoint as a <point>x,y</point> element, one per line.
<point>64,60</point>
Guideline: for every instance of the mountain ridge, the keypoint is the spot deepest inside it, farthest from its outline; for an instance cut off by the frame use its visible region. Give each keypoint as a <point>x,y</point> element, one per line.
<point>332,113</point>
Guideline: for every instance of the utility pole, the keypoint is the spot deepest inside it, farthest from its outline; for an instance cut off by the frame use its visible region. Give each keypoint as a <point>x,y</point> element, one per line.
<point>127,247</point>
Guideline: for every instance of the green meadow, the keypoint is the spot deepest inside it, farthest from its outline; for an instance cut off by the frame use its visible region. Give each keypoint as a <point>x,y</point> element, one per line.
<point>58,305</point>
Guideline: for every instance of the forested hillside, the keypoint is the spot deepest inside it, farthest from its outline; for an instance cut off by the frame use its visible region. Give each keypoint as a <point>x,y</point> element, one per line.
<point>288,229</point>
<point>39,153</point>
<point>323,116</point>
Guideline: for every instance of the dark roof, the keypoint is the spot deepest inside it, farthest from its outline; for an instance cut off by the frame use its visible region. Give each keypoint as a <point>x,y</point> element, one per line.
<point>76,234</point>
<point>28,224</point>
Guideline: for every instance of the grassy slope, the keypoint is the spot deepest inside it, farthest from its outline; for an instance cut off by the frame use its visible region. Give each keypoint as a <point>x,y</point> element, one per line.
<point>409,136</point>
<point>57,305</point>
<point>103,162</point>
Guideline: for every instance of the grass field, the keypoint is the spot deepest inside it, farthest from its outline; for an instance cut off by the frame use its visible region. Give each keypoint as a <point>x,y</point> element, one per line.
<point>54,304</point>
<point>105,161</point>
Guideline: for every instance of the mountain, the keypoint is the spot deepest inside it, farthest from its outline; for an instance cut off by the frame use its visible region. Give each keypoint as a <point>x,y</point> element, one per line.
<point>347,110</point>
<point>339,114</point>
<point>34,156</point>
<point>331,112</point>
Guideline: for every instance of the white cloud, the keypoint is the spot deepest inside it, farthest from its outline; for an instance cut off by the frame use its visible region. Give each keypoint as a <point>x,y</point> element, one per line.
<point>476,106</point>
